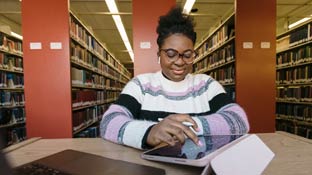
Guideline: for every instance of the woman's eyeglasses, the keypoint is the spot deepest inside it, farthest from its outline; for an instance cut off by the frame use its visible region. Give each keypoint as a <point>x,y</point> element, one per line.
<point>188,56</point>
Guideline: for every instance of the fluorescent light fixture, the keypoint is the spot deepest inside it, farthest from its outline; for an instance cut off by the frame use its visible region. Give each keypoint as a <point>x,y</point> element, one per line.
<point>299,22</point>
<point>117,19</point>
<point>188,6</point>
<point>17,35</point>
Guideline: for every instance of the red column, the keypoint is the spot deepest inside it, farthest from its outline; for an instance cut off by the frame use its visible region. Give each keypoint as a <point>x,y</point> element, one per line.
<point>255,67</point>
<point>145,17</point>
<point>47,71</point>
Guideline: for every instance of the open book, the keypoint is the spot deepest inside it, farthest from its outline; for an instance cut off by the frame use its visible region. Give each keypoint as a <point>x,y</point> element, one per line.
<point>221,154</point>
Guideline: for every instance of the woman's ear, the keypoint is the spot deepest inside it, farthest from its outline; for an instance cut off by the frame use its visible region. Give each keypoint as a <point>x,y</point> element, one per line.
<point>158,54</point>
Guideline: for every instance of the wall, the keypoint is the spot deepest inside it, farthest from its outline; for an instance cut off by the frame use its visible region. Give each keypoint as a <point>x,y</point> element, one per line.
<point>145,20</point>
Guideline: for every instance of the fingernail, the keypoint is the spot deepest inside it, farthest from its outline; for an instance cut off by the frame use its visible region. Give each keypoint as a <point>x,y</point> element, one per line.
<point>199,143</point>
<point>197,129</point>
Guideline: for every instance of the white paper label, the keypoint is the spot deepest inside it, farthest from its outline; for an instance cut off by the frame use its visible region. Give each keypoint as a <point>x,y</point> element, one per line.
<point>35,45</point>
<point>55,45</point>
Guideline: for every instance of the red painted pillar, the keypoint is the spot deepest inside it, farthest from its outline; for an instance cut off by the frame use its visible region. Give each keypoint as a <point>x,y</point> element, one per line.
<point>255,67</point>
<point>47,70</point>
<point>145,17</point>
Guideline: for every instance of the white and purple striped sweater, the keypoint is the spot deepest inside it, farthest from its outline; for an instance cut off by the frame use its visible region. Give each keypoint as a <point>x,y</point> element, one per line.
<point>148,97</point>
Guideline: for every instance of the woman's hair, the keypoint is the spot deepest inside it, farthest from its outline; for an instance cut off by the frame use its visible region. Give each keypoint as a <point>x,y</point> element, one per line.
<point>175,22</point>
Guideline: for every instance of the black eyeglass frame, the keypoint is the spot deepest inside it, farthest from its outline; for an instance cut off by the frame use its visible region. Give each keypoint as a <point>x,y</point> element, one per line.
<point>177,55</point>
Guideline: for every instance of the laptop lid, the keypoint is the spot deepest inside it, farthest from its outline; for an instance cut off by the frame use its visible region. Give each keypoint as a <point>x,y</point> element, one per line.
<point>77,162</point>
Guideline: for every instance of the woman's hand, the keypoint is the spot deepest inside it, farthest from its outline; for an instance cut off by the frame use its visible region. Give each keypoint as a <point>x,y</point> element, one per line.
<point>171,129</point>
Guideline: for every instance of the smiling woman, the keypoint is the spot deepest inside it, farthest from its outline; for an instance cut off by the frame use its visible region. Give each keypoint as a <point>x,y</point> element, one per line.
<point>172,96</point>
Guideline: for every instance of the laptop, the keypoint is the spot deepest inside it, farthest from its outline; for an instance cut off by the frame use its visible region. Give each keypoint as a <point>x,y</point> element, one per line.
<point>76,162</point>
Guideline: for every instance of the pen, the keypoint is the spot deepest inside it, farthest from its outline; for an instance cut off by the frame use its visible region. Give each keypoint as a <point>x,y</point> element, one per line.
<point>188,124</point>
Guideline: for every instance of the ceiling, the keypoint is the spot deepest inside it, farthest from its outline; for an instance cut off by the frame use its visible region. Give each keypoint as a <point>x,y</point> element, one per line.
<point>210,13</point>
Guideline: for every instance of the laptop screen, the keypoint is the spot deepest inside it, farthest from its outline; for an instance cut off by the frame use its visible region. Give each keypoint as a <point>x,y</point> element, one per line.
<point>189,150</point>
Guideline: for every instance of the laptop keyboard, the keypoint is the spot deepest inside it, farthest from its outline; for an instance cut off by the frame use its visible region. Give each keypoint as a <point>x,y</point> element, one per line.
<point>37,169</point>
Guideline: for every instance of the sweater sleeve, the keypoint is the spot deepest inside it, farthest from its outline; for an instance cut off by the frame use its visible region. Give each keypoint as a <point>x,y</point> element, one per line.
<point>225,117</point>
<point>230,119</point>
<point>119,123</point>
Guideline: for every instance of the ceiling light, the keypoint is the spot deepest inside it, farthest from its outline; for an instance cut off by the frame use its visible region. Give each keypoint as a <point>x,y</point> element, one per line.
<point>299,22</point>
<point>188,6</point>
<point>117,19</point>
<point>17,35</point>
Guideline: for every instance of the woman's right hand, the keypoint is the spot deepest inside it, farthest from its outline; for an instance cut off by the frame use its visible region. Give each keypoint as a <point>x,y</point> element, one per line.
<point>171,129</point>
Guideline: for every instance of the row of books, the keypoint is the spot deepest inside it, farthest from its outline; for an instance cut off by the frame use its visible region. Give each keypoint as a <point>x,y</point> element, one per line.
<point>295,111</point>
<point>11,98</point>
<point>91,132</point>
<point>83,118</point>
<point>88,116</point>
<point>293,127</point>
<point>79,33</point>
<point>90,97</point>
<point>301,74</point>
<point>224,75</point>
<point>230,90</point>
<point>295,56</point>
<point>11,62</point>
<point>300,35</point>
<point>217,38</point>
<point>98,67</point>
<point>86,78</point>
<point>217,58</point>
<point>10,44</point>
<point>16,135</point>
<point>10,80</point>
<point>295,93</point>
<point>11,116</point>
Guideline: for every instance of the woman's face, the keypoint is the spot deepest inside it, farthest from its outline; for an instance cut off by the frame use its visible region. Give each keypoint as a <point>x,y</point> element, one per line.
<point>176,57</point>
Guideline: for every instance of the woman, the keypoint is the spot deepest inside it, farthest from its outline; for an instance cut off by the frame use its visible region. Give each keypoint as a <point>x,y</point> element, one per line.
<point>172,95</point>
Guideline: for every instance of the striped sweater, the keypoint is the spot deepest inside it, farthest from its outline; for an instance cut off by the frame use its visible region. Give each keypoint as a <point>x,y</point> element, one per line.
<point>150,96</point>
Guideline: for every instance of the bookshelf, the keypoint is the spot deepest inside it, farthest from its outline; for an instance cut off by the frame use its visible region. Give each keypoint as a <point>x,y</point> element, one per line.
<point>12,101</point>
<point>294,80</point>
<point>217,55</point>
<point>246,73</point>
<point>97,79</point>
<point>68,88</point>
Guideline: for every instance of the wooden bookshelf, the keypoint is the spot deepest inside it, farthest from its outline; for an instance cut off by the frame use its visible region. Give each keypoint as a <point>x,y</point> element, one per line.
<point>294,80</point>
<point>103,76</point>
<point>12,101</point>
<point>238,69</point>
<point>84,77</point>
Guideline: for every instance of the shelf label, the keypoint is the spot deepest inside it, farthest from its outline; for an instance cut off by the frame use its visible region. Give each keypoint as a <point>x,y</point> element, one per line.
<point>265,45</point>
<point>35,45</point>
<point>145,45</point>
<point>247,45</point>
<point>55,45</point>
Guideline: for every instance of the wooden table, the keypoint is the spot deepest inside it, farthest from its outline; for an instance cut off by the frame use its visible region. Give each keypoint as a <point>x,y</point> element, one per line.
<point>293,154</point>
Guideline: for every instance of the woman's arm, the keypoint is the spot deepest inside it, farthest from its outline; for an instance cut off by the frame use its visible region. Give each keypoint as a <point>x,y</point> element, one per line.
<point>119,123</point>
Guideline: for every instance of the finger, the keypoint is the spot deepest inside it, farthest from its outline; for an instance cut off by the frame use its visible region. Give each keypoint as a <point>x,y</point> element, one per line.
<point>180,131</point>
<point>167,138</point>
<point>191,135</point>
<point>184,118</point>
<point>177,132</point>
